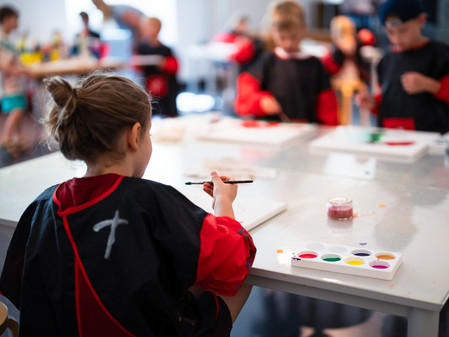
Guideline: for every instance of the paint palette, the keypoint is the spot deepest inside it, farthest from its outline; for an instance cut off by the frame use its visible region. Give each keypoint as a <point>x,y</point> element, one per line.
<point>359,261</point>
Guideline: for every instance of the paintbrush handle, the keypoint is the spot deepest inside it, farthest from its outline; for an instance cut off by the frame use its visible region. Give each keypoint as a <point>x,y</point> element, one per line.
<point>248,181</point>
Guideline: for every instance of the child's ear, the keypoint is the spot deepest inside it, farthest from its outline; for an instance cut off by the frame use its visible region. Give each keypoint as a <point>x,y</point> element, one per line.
<point>134,136</point>
<point>422,18</point>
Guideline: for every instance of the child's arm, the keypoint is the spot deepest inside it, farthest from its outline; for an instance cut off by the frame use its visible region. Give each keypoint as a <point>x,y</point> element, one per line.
<point>251,100</point>
<point>223,194</point>
<point>415,83</point>
<point>327,107</point>
<point>227,249</point>
<point>245,50</point>
<point>170,65</point>
<point>366,101</point>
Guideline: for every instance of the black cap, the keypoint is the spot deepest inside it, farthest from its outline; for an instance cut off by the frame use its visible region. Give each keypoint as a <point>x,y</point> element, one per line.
<point>403,9</point>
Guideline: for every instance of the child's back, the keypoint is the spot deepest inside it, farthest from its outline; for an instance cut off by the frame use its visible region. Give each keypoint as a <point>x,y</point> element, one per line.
<point>113,254</point>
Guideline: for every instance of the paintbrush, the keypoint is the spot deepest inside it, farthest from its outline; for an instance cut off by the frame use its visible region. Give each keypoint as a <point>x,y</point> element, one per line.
<point>248,181</point>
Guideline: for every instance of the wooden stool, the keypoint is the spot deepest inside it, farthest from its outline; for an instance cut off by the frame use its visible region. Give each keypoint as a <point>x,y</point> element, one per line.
<point>6,322</point>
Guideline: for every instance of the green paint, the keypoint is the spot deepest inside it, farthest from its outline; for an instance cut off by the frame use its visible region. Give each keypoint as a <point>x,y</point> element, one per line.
<point>375,137</point>
<point>331,259</point>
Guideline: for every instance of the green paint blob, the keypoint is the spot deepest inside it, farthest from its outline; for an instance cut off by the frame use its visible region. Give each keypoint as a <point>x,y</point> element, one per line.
<point>331,259</point>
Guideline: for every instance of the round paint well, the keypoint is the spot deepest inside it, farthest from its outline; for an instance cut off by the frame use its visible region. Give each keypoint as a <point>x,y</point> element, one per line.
<point>331,258</point>
<point>315,246</point>
<point>379,264</point>
<point>385,256</point>
<point>355,261</point>
<point>338,249</point>
<point>361,252</point>
<point>307,254</point>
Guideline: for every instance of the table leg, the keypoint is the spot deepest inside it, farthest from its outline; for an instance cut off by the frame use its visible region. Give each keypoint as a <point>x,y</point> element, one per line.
<point>422,323</point>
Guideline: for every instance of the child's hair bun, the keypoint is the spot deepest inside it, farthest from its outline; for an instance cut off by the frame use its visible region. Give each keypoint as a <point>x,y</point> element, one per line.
<point>88,118</point>
<point>63,94</point>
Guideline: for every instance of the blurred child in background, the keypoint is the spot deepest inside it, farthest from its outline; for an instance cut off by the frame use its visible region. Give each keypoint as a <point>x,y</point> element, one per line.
<point>160,74</point>
<point>349,71</point>
<point>287,84</point>
<point>247,47</point>
<point>12,83</point>
<point>414,76</point>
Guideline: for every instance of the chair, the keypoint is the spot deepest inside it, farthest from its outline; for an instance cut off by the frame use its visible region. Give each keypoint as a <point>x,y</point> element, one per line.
<point>7,322</point>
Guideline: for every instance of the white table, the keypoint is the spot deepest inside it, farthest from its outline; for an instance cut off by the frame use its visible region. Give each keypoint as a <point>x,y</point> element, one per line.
<point>414,221</point>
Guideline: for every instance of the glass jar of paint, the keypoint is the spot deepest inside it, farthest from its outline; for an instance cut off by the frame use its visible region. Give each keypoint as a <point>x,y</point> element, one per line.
<point>339,208</point>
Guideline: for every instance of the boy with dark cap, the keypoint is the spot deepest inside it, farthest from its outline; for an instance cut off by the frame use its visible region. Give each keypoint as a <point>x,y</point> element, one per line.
<point>414,76</point>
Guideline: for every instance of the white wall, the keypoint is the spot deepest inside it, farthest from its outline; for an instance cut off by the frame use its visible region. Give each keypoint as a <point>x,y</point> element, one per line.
<point>199,20</point>
<point>185,22</point>
<point>39,18</point>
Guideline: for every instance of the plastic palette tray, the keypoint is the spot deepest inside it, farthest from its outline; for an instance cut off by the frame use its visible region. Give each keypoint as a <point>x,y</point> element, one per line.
<point>361,261</point>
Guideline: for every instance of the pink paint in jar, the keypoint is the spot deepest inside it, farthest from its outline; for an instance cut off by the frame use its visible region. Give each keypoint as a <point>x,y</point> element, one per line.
<point>339,208</point>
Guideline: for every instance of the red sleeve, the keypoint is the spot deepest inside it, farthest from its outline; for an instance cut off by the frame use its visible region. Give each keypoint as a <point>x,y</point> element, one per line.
<point>170,65</point>
<point>378,99</point>
<point>443,93</point>
<point>330,65</point>
<point>245,51</point>
<point>327,108</point>
<point>224,37</point>
<point>366,37</point>
<point>226,255</point>
<point>249,95</point>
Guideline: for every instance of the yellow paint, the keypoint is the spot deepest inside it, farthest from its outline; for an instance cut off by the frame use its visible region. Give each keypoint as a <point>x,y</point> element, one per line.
<point>279,251</point>
<point>355,262</point>
<point>382,205</point>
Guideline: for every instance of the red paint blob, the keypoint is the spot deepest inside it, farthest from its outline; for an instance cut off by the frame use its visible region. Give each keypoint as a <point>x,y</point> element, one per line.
<point>251,124</point>
<point>256,124</point>
<point>308,256</point>
<point>399,143</point>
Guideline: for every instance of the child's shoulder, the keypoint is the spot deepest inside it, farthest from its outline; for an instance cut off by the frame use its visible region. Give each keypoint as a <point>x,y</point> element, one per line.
<point>145,184</point>
<point>141,187</point>
<point>439,47</point>
<point>47,194</point>
<point>300,57</point>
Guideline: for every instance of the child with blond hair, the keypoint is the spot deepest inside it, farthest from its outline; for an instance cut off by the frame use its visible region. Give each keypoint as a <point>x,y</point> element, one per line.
<point>287,84</point>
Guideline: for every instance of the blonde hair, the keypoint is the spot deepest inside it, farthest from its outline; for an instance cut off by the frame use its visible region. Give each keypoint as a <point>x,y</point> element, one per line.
<point>287,15</point>
<point>342,25</point>
<point>87,119</point>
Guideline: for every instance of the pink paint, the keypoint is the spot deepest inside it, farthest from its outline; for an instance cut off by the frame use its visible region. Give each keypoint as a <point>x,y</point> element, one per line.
<point>340,212</point>
<point>339,208</point>
<point>379,266</point>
